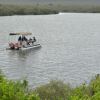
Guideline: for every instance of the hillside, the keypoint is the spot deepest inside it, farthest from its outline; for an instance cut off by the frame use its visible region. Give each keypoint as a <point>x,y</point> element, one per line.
<point>41,7</point>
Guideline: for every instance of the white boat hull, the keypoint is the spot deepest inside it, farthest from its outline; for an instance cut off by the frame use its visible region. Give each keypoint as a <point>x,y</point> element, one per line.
<point>30,47</point>
<point>26,48</point>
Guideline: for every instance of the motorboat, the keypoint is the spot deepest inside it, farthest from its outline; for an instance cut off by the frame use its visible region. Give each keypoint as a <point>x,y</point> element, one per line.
<point>29,44</point>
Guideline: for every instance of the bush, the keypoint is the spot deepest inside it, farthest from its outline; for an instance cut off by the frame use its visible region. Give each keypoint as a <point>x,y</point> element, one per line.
<point>57,90</point>
<point>11,90</point>
<point>54,90</point>
<point>95,84</point>
<point>87,92</point>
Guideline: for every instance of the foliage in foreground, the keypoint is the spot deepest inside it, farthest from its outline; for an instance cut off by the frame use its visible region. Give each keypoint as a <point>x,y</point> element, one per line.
<point>54,90</point>
<point>57,90</point>
<point>11,90</point>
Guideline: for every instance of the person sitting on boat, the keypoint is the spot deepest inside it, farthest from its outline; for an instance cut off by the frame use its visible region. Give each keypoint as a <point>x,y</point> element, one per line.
<point>11,45</point>
<point>17,46</point>
<point>30,41</point>
<point>34,40</point>
<point>24,41</point>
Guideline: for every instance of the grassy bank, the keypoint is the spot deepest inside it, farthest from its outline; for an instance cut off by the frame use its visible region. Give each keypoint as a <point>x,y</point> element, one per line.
<point>54,90</point>
<point>37,9</point>
<point>6,10</point>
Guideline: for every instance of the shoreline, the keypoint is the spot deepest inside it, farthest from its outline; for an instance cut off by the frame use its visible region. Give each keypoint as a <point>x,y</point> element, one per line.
<point>10,10</point>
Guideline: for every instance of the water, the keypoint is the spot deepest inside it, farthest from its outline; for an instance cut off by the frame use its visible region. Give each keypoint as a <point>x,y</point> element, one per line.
<point>70,48</point>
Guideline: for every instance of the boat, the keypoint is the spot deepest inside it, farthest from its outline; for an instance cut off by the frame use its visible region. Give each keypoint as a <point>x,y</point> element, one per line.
<point>25,48</point>
<point>15,46</point>
<point>30,47</point>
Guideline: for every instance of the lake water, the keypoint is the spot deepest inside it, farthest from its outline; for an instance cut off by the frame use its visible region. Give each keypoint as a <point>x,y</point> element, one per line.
<point>70,48</point>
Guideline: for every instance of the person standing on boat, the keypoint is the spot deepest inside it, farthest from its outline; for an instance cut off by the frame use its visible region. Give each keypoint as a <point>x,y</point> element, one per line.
<point>24,38</point>
<point>19,41</point>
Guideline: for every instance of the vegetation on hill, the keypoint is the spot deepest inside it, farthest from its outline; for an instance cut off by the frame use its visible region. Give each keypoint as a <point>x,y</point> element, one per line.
<point>6,10</point>
<point>54,90</point>
<point>40,9</point>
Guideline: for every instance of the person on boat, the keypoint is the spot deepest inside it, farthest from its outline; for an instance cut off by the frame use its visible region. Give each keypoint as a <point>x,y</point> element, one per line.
<point>34,40</point>
<point>24,41</point>
<point>30,41</point>
<point>12,46</point>
<point>20,38</point>
<point>19,41</point>
<point>24,38</point>
<point>17,46</point>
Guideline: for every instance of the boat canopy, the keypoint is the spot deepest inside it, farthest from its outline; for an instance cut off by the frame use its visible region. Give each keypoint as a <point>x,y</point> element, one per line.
<point>21,33</point>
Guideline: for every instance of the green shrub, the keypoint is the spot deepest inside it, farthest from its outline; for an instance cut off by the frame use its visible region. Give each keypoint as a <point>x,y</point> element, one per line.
<point>55,90</point>
<point>95,84</point>
<point>96,96</point>
<point>15,90</point>
<point>87,92</point>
